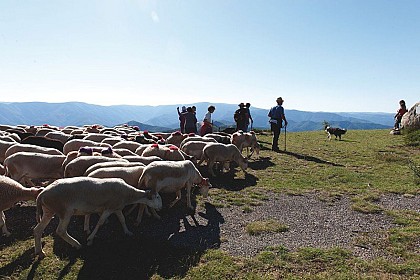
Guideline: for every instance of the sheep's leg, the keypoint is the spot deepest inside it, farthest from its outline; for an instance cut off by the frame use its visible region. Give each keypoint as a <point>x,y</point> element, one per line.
<point>101,221</point>
<point>62,231</point>
<point>131,209</point>
<point>121,218</point>
<point>39,229</point>
<point>154,213</point>
<point>189,197</point>
<point>86,225</point>
<point>140,213</point>
<point>3,224</point>
<point>210,167</point>
<point>178,197</point>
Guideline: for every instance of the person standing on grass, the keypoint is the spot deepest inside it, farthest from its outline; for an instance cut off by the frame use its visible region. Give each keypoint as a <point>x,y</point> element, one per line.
<point>276,115</point>
<point>190,121</point>
<point>249,118</point>
<point>207,126</point>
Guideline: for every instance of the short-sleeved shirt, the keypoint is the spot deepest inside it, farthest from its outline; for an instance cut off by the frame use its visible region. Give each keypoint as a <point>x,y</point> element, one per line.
<point>208,117</point>
<point>276,112</point>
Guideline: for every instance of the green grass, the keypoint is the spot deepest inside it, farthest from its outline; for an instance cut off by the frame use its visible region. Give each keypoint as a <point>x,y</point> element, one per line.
<point>260,227</point>
<point>363,166</point>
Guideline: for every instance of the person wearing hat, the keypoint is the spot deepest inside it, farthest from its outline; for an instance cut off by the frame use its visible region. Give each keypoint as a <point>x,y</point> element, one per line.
<point>276,115</point>
<point>241,116</point>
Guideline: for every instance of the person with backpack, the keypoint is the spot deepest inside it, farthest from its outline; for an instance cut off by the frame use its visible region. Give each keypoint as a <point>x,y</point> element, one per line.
<point>241,117</point>
<point>276,115</point>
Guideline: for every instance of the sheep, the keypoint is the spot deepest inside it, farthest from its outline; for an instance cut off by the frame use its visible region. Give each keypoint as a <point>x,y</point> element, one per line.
<point>10,193</point>
<point>124,152</point>
<point>79,165</point>
<point>166,153</point>
<point>31,148</point>
<point>224,139</point>
<point>24,166</point>
<point>130,174</point>
<point>139,151</point>
<point>4,145</point>
<point>43,131</point>
<point>112,140</point>
<point>144,160</point>
<point>107,164</point>
<point>176,138</point>
<point>197,138</point>
<point>244,140</point>
<point>58,135</point>
<point>218,152</point>
<point>7,138</point>
<point>43,141</point>
<point>82,196</point>
<point>194,149</point>
<point>171,177</point>
<point>96,137</point>
<point>130,145</point>
<point>75,144</point>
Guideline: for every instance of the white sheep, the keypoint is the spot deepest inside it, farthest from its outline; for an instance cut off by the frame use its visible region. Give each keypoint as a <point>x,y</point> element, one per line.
<point>97,137</point>
<point>244,140</point>
<point>76,144</point>
<point>4,145</point>
<point>164,152</point>
<point>19,147</point>
<point>78,166</point>
<point>82,196</point>
<point>107,164</point>
<point>194,149</point>
<point>144,160</point>
<point>130,174</point>
<point>218,152</point>
<point>58,135</point>
<point>172,177</point>
<point>10,193</point>
<point>24,166</point>
<point>176,138</point>
<point>197,138</point>
<point>130,145</point>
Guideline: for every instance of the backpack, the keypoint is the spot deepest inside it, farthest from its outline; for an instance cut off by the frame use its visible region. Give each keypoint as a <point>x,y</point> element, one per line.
<point>240,115</point>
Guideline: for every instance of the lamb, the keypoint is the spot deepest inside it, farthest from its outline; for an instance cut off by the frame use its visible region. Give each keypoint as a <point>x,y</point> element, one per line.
<point>31,148</point>
<point>166,153</point>
<point>78,166</point>
<point>82,196</point>
<point>244,140</point>
<point>172,177</point>
<point>24,166</point>
<point>107,164</point>
<point>75,144</point>
<point>10,193</point>
<point>218,152</point>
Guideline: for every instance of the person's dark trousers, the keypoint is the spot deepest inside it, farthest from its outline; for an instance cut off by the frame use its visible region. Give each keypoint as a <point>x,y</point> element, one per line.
<point>275,128</point>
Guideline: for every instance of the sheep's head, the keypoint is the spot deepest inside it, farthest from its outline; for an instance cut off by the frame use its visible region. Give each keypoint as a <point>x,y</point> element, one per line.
<point>204,187</point>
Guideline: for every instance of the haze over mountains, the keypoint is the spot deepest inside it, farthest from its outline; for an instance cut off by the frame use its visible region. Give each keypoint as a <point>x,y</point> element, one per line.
<point>165,117</point>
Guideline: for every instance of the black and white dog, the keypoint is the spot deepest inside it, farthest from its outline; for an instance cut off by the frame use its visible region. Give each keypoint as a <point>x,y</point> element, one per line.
<point>337,132</point>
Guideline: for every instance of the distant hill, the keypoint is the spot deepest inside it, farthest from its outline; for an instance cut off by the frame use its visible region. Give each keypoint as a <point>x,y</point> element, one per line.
<point>165,117</point>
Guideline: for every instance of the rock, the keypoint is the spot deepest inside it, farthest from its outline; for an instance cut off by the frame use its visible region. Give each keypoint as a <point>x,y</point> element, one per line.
<point>411,119</point>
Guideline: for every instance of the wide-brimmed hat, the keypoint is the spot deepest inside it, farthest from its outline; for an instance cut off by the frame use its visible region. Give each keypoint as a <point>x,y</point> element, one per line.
<point>279,99</point>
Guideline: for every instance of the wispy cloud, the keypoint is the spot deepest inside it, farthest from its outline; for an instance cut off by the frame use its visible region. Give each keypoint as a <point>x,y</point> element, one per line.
<point>154,16</point>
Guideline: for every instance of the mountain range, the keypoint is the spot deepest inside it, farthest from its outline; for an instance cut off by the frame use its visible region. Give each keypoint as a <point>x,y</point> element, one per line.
<point>165,117</point>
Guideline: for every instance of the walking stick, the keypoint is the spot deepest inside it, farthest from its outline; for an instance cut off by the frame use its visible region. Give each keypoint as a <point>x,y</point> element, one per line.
<point>285,131</point>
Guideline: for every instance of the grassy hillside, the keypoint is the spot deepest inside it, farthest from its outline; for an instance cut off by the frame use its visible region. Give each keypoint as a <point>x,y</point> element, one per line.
<point>363,166</point>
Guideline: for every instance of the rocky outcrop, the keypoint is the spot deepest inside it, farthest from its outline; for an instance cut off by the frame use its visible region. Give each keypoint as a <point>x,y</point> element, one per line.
<point>411,119</point>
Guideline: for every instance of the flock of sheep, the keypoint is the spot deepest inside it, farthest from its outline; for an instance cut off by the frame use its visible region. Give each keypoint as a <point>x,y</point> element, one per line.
<point>95,169</point>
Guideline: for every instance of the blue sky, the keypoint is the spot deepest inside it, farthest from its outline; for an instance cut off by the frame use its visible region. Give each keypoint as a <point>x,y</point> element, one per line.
<point>335,56</point>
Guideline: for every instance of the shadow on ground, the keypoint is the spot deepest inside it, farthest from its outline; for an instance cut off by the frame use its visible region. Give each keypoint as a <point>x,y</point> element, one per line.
<point>168,247</point>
